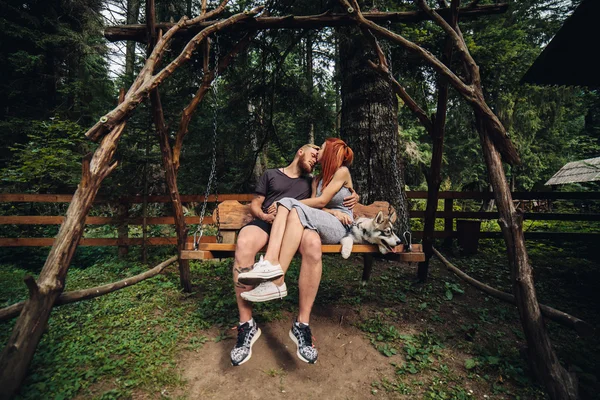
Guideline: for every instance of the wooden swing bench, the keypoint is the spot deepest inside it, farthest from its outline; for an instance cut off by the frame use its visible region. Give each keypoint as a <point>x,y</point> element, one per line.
<point>233,216</point>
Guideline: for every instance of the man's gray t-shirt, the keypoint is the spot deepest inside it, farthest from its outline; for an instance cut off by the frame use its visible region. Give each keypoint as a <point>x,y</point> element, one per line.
<point>276,185</point>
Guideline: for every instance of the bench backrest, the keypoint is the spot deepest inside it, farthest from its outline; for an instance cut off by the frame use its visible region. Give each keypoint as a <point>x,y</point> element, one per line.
<point>233,215</point>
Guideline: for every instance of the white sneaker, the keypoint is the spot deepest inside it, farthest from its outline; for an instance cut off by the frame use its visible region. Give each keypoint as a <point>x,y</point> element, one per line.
<point>263,271</point>
<point>264,292</point>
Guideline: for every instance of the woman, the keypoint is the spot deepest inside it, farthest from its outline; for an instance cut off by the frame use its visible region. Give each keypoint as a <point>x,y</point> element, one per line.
<point>324,212</point>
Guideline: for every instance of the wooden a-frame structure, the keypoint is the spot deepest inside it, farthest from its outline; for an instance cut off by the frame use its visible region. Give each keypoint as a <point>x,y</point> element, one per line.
<point>44,293</point>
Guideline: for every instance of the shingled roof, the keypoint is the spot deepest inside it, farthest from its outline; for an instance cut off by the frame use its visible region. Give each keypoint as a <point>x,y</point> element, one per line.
<point>577,171</point>
<point>571,58</point>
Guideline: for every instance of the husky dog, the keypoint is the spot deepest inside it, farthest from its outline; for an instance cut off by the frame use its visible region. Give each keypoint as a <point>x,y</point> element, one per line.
<point>378,230</point>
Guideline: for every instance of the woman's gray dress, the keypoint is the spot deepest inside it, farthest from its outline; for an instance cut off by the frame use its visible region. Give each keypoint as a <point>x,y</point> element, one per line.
<point>329,228</point>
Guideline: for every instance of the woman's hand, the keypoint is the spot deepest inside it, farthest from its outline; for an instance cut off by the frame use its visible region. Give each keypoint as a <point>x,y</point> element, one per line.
<point>269,216</point>
<point>273,209</point>
<point>342,217</point>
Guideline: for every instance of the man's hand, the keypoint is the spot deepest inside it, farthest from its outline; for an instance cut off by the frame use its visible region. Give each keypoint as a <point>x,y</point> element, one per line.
<point>351,200</point>
<point>268,218</point>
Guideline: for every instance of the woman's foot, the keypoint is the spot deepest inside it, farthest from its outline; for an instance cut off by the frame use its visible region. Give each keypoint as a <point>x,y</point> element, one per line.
<point>263,271</point>
<point>264,292</point>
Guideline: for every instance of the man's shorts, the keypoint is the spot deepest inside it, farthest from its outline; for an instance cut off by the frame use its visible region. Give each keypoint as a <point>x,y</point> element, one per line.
<point>265,226</point>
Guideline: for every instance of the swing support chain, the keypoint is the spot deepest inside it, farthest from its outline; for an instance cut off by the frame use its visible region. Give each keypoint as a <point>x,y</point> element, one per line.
<point>212,180</point>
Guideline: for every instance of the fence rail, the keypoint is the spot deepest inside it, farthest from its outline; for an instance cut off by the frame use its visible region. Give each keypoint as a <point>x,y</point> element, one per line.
<point>123,220</point>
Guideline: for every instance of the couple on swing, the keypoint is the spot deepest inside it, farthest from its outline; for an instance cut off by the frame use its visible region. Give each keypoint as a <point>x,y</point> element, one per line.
<point>292,212</point>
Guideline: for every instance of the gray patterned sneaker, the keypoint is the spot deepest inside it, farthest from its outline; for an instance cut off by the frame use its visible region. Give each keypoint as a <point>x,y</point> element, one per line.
<point>302,336</point>
<point>242,351</point>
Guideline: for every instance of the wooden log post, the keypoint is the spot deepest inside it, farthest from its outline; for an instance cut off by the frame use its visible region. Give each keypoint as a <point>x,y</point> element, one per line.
<point>448,222</point>
<point>367,268</point>
<point>167,158</point>
<point>559,383</point>
<point>171,179</point>
<point>123,228</point>
<point>28,330</point>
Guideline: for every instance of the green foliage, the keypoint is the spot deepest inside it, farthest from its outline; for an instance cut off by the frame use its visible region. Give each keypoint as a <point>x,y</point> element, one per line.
<point>452,288</point>
<point>128,337</point>
<point>49,160</point>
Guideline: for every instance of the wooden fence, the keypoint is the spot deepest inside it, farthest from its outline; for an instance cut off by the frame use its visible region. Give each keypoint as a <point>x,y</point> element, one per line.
<point>123,220</point>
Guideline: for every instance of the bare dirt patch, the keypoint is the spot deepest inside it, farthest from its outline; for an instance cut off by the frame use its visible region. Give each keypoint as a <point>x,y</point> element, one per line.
<point>347,365</point>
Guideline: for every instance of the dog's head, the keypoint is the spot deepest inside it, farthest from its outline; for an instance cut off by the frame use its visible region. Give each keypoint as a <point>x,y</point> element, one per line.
<point>383,233</point>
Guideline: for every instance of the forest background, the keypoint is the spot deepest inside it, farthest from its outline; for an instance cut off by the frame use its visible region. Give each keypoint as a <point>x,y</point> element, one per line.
<point>58,75</point>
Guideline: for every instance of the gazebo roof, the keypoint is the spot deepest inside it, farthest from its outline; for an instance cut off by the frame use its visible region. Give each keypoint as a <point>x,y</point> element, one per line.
<point>570,58</point>
<point>577,171</point>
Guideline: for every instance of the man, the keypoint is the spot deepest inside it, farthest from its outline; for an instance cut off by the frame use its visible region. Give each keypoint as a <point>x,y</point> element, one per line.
<point>294,181</point>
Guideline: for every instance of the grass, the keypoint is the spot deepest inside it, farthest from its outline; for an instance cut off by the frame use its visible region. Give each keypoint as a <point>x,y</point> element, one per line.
<point>444,339</point>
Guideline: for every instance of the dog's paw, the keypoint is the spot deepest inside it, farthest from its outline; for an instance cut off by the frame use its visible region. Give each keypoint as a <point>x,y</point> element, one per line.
<point>346,253</point>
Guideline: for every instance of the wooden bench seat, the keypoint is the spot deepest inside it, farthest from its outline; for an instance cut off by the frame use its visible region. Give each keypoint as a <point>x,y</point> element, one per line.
<point>234,215</point>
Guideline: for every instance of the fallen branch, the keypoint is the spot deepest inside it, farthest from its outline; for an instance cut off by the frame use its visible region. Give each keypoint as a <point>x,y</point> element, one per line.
<point>85,294</point>
<point>580,326</point>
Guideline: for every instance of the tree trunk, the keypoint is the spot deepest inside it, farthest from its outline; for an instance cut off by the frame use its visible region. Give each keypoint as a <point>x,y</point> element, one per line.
<point>559,383</point>
<point>369,125</point>
<point>30,326</point>
<point>309,88</point>
<point>434,178</point>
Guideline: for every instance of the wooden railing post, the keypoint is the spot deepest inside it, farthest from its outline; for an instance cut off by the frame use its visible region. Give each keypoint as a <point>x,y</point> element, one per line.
<point>123,228</point>
<point>448,222</point>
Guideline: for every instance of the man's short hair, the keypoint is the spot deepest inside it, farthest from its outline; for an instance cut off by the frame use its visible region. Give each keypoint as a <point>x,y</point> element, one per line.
<point>310,146</point>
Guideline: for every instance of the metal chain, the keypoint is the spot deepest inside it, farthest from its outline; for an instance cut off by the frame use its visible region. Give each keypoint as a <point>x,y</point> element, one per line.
<point>215,126</point>
<point>403,211</point>
<point>212,180</point>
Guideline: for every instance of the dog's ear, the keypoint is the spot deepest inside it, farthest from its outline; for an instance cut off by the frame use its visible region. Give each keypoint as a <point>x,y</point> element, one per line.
<point>393,217</point>
<point>379,218</point>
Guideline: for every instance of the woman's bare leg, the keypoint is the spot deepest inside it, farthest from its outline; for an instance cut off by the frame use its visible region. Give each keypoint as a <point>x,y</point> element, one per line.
<point>290,243</point>
<point>276,236</point>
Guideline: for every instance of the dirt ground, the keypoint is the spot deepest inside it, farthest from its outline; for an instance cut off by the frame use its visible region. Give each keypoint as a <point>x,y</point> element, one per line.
<point>346,367</point>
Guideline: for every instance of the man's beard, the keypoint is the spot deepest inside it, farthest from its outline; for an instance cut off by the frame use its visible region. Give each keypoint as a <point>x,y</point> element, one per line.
<point>305,167</point>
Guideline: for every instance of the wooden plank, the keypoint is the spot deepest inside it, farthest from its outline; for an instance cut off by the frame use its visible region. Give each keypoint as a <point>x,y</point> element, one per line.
<point>372,209</point>
<point>227,250</point>
<point>326,248</point>
<point>191,198</point>
<point>35,198</point>
<point>414,194</point>
<point>43,242</point>
<point>494,215</point>
<point>66,198</point>
<point>234,215</point>
<point>233,220</point>
<point>57,220</point>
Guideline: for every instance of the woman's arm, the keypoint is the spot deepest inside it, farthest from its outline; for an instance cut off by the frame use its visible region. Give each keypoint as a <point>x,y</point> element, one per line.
<point>340,178</point>
<point>314,188</point>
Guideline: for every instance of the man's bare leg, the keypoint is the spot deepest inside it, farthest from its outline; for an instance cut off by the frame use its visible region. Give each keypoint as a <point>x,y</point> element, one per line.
<point>250,240</point>
<point>310,273</point>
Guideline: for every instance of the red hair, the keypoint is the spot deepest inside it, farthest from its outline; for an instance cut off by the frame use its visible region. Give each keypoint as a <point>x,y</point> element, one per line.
<point>335,155</point>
